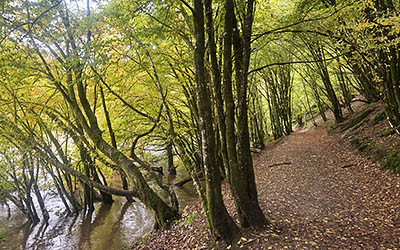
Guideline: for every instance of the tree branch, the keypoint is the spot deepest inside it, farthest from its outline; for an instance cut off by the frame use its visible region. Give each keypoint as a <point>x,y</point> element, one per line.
<point>293,62</point>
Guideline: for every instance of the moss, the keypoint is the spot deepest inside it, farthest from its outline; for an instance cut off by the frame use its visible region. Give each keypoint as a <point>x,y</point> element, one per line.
<point>356,121</point>
<point>386,132</point>
<point>378,117</point>
<point>369,148</point>
<point>378,153</point>
<point>364,145</point>
<point>355,142</point>
<point>332,129</point>
<point>2,236</point>
<point>358,125</point>
<point>392,161</point>
<point>388,158</point>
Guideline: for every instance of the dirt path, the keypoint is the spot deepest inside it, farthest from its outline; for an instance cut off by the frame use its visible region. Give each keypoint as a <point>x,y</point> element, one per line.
<point>320,202</point>
<point>328,197</point>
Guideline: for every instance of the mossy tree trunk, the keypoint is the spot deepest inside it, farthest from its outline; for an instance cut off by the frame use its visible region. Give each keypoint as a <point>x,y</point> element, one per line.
<point>242,178</point>
<point>125,184</point>
<point>216,80</point>
<point>221,224</point>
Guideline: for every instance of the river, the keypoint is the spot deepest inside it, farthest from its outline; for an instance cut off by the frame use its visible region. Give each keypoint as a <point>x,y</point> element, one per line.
<point>110,227</point>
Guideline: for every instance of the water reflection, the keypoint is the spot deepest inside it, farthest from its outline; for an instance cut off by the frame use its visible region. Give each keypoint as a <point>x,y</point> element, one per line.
<point>109,227</point>
<point>186,193</point>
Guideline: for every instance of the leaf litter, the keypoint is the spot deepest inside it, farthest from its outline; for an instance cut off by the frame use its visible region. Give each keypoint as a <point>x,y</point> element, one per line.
<point>312,203</point>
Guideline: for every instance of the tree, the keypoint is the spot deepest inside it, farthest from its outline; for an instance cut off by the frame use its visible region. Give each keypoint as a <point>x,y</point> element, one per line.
<point>242,179</point>
<point>63,61</point>
<point>219,220</point>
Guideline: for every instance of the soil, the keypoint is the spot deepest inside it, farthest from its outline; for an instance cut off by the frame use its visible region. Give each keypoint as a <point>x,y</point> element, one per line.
<point>317,191</point>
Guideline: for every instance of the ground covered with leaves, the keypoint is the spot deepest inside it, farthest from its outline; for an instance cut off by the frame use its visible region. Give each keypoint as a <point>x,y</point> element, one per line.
<point>317,191</point>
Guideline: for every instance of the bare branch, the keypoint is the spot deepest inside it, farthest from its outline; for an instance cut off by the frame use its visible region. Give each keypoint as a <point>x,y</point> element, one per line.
<point>120,98</point>
<point>187,5</point>
<point>145,133</point>
<point>293,62</point>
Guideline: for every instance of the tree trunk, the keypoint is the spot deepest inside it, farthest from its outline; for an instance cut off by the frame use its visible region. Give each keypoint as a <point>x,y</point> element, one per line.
<point>221,224</point>
<point>39,197</point>
<point>170,159</point>
<point>216,78</point>
<point>318,54</point>
<point>171,129</point>
<point>59,190</point>
<point>343,86</point>
<point>228,93</point>
<point>242,175</point>
<point>309,105</point>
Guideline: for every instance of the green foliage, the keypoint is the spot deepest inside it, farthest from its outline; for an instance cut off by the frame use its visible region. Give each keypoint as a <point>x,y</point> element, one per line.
<point>392,161</point>
<point>378,116</point>
<point>357,121</point>
<point>2,235</point>
<point>187,217</point>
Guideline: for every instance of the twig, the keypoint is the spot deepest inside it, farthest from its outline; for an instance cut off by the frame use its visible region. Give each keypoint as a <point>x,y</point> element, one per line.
<point>348,166</point>
<point>279,164</point>
<point>256,150</point>
<point>293,62</point>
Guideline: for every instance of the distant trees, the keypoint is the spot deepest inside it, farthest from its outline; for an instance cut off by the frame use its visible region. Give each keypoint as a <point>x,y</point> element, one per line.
<point>277,84</point>
<point>365,35</point>
<point>338,49</point>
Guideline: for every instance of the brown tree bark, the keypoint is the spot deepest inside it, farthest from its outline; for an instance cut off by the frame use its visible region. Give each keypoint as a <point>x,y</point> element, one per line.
<point>216,79</point>
<point>242,175</point>
<point>221,224</point>
<point>125,184</point>
<point>227,90</point>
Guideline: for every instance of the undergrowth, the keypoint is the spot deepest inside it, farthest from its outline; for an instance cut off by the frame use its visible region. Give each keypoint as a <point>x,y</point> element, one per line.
<point>382,152</point>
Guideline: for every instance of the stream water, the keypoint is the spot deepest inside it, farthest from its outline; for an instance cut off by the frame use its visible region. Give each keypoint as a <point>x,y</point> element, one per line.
<point>109,227</point>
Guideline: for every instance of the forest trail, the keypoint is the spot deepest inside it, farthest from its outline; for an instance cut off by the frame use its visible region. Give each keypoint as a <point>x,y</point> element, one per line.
<point>327,197</point>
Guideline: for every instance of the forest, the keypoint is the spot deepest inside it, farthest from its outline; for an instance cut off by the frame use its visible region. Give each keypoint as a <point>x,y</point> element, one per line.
<point>110,100</point>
